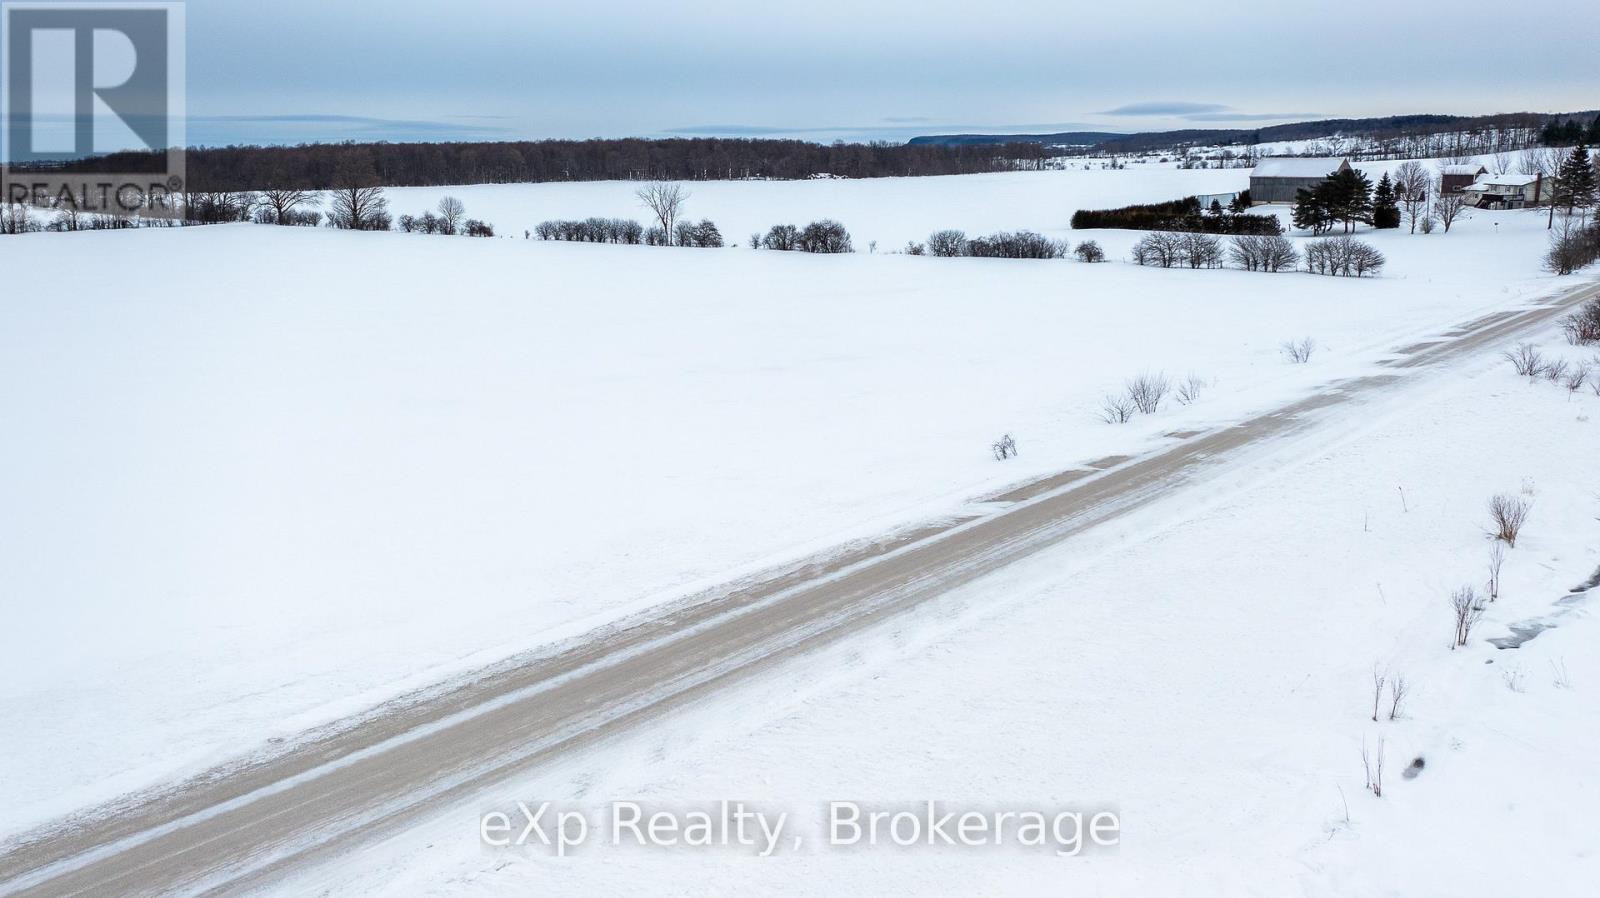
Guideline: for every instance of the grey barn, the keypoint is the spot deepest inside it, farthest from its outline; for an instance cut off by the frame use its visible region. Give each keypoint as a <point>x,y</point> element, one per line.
<point>1275,179</point>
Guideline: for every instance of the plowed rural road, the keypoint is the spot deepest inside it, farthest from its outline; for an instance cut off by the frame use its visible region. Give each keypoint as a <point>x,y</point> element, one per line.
<point>239,828</point>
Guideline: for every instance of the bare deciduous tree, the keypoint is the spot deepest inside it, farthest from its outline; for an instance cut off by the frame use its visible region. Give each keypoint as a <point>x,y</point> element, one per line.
<point>357,202</point>
<point>1412,183</point>
<point>1378,679</point>
<point>451,213</point>
<point>284,200</point>
<point>1447,207</point>
<point>665,201</point>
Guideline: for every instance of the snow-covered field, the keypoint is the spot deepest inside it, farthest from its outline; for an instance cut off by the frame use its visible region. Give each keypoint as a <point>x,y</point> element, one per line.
<point>888,211</point>
<point>1205,668</point>
<point>269,477</point>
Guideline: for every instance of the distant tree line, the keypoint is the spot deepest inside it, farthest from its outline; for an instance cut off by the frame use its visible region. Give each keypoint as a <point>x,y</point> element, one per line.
<point>1181,215</point>
<point>1453,138</point>
<point>1558,132</point>
<point>315,166</point>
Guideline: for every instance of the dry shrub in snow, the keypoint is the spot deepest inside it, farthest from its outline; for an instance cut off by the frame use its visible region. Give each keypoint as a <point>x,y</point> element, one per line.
<point>1526,360</point>
<point>1398,690</point>
<point>1298,351</point>
<point>1117,410</point>
<point>1583,326</point>
<point>1575,379</point>
<point>1572,246</point>
<point>1509,513</point>
<point>1004,448</point>
<point>1555,370</point>
<point>1189,390</point>
<point>1513,678</point>
<point>1147,390</point>
<point>1373,766</point>
<point>1467,610</point>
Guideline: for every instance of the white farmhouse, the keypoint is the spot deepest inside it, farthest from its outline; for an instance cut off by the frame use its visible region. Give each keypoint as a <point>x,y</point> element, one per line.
<point>1508,191</point>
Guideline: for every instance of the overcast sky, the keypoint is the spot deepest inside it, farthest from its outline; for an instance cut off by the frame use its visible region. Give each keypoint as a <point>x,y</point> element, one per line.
<point>401,69</point>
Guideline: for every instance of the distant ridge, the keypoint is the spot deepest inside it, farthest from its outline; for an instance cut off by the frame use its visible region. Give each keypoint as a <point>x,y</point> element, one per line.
<point>1155,140</point>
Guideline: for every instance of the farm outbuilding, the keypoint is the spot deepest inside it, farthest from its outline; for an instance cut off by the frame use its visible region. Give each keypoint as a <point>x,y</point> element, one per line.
<point>1275,179</point>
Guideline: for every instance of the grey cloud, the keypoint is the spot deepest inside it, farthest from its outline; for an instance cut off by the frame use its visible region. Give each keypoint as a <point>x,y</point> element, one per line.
<point>1251,116</point>
<point>1167,107</point>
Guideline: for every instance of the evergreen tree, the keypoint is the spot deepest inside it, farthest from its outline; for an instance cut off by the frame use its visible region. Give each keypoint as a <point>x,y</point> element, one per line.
<point>1571,132</point>
<point>1348,197</point>
<point>1550,134</point>
<point>1311,210</point>
<point>1385,205</point>
<point>1593,137</point>
<point>1575,182</point>
<point>1240,202</point>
